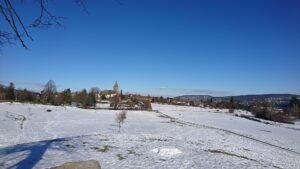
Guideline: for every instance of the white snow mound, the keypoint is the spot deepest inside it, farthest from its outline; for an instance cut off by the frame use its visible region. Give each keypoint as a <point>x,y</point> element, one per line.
<point>167,152</point>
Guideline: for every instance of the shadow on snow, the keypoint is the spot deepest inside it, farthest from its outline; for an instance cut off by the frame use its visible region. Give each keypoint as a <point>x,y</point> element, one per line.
<point>33,151</point>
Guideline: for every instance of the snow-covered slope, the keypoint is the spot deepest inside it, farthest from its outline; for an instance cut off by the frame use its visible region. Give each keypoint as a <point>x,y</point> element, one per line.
<point>284,135</point>
<point>172,137</point>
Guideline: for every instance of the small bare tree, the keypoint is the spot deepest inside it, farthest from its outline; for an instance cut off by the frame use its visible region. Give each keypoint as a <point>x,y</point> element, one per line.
<point>120,118</point>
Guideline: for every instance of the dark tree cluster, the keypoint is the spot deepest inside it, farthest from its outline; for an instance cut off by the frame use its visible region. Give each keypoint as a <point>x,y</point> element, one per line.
<point>64,97</point>
<point>268,111</point>
<point>50,95</point>
<point>231,105</point>
<point>86,99</point>
<point>11,94</point>
<point>294,107</point>
<point>158,100</point>
<point>83,98</point>
<point>26,96</point>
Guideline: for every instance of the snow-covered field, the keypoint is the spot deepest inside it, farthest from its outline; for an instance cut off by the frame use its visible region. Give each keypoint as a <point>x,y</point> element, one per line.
<point>171,137</point>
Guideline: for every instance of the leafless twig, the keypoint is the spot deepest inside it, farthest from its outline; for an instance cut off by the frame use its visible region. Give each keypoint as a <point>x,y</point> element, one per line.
<point>18,31</point>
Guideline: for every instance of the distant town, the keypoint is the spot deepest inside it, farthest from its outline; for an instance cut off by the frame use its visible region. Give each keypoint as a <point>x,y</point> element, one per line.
<point>276,107</point>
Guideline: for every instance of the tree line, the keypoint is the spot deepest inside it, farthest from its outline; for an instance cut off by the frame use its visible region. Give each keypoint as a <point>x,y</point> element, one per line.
<point>50,95</point>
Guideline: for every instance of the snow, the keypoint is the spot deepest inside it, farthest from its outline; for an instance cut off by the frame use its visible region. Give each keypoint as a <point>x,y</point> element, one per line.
<point>167,152</point>
<point>103,105</point>
<point>171,137</point>
<point>276,134</point>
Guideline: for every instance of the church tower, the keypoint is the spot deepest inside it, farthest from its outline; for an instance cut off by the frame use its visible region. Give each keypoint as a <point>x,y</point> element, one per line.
<point>116,88</point>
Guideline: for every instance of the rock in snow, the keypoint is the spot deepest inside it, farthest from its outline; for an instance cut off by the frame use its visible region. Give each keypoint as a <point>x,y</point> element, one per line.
<point>91,164</point>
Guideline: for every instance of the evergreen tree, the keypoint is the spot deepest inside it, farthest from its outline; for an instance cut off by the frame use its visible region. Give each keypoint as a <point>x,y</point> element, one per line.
<point>67,96</point>
<point>161,99</point>
<point>92,96</point>
<point>121,95</point>
<point>231,106</point>
<point>29,96</point>
<point>295,107</point>
<point>10,92</point>
<point>81,98</point>
<point>103,97</point>
<point>294,101</point>
<point>25,96</point>
<point>231,100</point>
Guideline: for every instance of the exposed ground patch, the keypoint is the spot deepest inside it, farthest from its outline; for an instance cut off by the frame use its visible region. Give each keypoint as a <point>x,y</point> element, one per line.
<point>103,149</point>
<point>120,157</point>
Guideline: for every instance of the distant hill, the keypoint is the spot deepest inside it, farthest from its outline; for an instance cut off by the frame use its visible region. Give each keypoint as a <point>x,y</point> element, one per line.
<point>274,98</point>
<point>264,97</point>
<point>193,97</point>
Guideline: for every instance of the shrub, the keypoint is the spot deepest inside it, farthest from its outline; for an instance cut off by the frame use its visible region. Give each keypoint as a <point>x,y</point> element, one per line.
<point>281,117</point>
<point>272,114</point>
<point>115,101</point>
<point>147,104</point>
<point>263,114</point>
<point>103,97</point>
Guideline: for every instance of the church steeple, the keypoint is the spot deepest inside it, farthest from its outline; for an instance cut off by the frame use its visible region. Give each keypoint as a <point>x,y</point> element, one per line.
<point>116,88</point>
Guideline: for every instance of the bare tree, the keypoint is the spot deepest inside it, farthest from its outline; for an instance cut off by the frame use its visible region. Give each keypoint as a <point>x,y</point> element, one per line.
<point>18,30</point>
<point>120,118</point>
<point>49,92</point>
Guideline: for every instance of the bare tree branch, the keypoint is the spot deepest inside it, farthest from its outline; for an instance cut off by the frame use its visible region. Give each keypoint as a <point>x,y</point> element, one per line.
<point>6,38</point>
<point>81,4</point>
<point>11,22</point>
<point>18,30</point>
<point>46,19</point>
<point>19,19</point>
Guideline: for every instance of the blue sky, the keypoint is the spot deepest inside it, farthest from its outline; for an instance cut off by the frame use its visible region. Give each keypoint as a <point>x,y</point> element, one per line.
<point>163,47</point>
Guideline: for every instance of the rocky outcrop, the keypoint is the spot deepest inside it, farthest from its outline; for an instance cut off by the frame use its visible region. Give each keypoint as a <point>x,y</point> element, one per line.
<point>91,164</point>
